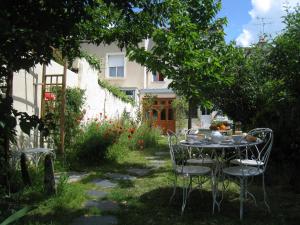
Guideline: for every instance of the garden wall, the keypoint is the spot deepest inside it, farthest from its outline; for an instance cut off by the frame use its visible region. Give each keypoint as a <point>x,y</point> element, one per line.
<point>27,88</point>
<point>99,101</point>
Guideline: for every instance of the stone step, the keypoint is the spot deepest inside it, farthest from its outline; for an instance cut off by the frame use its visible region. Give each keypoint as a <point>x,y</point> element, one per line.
<point>119,176</point>
<point>104,183</point>
<point>95,220</point>
<point>72,176</point>
<point>96,194</point>
<point>139,171</point>
<point>104,205</point>
<point>161,153</point>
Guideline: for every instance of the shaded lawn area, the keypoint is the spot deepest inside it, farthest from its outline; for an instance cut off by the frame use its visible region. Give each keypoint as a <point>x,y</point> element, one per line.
<point>146,199</point>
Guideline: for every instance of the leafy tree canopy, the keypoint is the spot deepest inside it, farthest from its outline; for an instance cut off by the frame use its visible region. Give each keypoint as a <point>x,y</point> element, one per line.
<point>31,29</point>
<point>189,49</point>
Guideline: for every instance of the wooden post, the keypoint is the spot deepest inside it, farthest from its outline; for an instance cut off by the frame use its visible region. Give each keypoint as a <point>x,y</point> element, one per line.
<point>63,107</point>
<point>43,91</point>
<point>43,101</point>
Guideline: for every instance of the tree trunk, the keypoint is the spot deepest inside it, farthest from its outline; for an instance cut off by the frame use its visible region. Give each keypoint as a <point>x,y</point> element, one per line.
<point>9,91</point>
<point>190,114</point>
<point>24,170</point>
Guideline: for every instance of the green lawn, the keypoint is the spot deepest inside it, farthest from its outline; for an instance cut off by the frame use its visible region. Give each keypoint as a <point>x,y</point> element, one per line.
<point>146,200</point>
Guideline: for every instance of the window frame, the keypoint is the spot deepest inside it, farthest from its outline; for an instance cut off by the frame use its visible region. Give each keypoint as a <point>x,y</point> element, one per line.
<point>158,75</point>
<point>107,68</point>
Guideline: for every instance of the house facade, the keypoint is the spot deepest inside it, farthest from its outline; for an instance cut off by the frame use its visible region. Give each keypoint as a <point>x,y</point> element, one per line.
<point>136,81</point>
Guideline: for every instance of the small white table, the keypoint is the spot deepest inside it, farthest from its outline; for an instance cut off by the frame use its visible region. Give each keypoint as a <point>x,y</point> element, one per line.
<point>35,154</point>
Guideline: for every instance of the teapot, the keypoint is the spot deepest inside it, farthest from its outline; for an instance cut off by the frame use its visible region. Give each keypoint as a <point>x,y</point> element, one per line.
<point>216,137</point>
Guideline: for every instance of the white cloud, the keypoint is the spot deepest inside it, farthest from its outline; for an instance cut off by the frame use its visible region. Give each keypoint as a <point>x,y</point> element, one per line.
<point>260,6</point>
<point>272,12</point>
<point>244,39</point>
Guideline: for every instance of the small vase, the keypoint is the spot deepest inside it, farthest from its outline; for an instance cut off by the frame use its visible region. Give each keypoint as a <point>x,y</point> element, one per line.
<point>216,137</point>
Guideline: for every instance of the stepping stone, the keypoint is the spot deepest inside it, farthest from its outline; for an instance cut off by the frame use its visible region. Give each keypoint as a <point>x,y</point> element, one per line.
<point>104,183</point>
<point>119,176</point>
<point>102,205</point>
<point>75,177</point>
<point>95,220</point>
<point>161,153</point>
<point>152,157</point>
<point>96,194</point>
<point>72,176</point>
<point>157,163</point>
<point>138,172</point>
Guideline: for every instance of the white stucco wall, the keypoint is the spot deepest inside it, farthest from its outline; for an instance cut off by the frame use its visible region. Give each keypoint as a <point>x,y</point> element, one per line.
<point>27,88</point>
<point>99,101</point>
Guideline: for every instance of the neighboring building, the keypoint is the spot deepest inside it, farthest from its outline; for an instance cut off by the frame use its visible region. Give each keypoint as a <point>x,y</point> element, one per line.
<point>136,81</point>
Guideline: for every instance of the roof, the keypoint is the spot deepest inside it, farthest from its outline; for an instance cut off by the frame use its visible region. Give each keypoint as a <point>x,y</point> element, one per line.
<point>157,91</point>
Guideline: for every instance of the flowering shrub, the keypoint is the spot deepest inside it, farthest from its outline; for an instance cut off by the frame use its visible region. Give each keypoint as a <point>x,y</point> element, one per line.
<point>106,139</point>
<point>92,145</point>
<point>140,138</point>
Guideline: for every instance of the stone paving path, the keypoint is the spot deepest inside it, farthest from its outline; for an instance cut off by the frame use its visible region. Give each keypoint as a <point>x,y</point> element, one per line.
<point>72,176</point>
<point>104,183</point>
<point>96,194</point>
<point>119,176</point>
<point>95,220</point>
<point>97,197</point>
<point>139,171</point>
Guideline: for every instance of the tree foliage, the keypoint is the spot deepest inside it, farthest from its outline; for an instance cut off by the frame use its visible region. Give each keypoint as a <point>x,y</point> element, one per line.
<point>188,49</point>
<point>265,91</point>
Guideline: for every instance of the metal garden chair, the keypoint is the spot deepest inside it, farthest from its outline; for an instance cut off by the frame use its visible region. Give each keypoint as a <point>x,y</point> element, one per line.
<point>185,171</point>
<point>201,157</point>
<point>252,162</point>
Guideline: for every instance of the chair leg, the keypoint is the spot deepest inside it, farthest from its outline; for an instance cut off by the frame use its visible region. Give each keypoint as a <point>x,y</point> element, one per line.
<point>174,189</point>
<point>265,193</point>
<point>242,197</point>
<point>187,189</point>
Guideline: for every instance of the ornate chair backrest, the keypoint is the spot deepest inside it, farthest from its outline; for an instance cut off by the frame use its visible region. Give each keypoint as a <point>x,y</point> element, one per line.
<point>262,151</point>
<point>174,147</point>
<point>190,132</point>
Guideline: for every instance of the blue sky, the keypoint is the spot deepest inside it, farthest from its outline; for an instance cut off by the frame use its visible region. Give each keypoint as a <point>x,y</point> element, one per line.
<point>244,17</point>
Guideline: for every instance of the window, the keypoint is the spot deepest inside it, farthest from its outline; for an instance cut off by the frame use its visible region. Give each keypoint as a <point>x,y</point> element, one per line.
<point>115,65</point>
<point>163,114</point>
<point>130,93</point>
<point>157,76</point>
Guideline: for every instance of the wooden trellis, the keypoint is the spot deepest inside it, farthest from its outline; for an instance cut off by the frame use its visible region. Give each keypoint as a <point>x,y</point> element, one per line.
<point>51,81</point>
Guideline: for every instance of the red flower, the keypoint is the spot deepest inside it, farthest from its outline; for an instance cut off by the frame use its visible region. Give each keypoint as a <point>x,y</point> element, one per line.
<point>131,130</point>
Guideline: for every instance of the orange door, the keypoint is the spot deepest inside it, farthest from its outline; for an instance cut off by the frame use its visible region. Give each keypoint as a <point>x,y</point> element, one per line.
<point>162,115</point>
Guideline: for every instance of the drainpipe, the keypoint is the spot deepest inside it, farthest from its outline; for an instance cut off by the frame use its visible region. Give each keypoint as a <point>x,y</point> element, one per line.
<point>145,69</point>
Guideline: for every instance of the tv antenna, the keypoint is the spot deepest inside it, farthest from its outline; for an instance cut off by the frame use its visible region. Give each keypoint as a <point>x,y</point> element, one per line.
<point>262,23</point>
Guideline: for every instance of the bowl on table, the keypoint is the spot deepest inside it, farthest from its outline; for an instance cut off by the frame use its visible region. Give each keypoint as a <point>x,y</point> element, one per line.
<point>237,138</point>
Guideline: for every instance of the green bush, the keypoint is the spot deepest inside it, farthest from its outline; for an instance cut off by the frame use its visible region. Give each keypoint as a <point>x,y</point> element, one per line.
<point>110,140</point>
<point>142,137</point>
<point>92,143</point>
<point>73,114</point>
